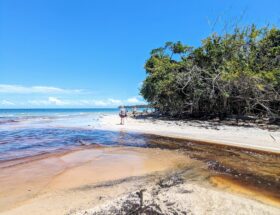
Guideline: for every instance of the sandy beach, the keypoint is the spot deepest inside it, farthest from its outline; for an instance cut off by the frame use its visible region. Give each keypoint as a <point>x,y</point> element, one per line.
<point>74,180</point>
<point>108,180</point>
<point>240,136</point>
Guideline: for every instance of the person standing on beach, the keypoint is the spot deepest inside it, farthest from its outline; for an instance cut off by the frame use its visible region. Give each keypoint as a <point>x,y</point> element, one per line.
<point>134,111</point>
<point>122,114</point>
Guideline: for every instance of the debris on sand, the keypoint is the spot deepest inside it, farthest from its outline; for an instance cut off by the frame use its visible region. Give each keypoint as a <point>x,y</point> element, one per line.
<point>151,201</point>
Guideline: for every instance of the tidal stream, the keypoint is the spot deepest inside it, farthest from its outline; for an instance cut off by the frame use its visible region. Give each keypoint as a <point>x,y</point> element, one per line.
<point>245,171</point>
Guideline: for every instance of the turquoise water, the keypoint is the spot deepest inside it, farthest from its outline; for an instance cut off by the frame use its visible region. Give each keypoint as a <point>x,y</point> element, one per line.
<point>47,112</point>
<point>15,118</point>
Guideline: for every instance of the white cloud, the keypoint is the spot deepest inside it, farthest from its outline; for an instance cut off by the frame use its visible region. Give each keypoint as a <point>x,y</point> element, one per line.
<point>18,89</point>
<point>100,103</point>
<point>50,101</point>
<point>106,102</point>
<point>56,101</point>
<point>37,102</point>
<point>114,101</point>
<point>6,102</point>
<point>133,100</point>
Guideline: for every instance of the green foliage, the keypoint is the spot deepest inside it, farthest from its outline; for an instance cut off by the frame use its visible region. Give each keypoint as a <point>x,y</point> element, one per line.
<point>236,73</point>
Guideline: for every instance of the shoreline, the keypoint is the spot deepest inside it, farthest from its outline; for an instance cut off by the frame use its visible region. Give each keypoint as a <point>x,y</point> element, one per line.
<point>104,180</point>
<point>251,138</point>
<point>101,180</point>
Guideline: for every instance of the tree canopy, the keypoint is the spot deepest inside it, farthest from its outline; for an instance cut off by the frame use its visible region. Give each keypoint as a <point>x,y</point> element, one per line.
<point>235,73</point>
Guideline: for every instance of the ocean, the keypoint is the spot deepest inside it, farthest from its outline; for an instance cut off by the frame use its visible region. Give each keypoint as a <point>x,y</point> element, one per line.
<point>31,132</point>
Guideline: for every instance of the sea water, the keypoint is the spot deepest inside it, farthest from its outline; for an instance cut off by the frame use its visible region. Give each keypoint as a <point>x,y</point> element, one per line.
<point>30,132</point>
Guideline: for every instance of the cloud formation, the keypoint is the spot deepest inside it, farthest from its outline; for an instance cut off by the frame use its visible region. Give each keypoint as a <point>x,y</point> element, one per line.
<point>18,89</point>
<point>48,96</point>
<point>54,101</point>
<point>99,103</point>
<point>133,100</point>
<point>6,103</point>
<point>50,101</point>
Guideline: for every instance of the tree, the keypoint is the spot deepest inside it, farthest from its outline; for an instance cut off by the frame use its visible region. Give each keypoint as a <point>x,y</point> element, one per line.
<point>237,73</point>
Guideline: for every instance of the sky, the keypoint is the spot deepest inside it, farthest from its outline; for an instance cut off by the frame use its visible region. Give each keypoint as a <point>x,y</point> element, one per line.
<point>91,53</point>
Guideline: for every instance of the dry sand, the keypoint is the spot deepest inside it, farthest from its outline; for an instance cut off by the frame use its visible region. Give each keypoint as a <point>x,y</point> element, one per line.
<point>247,137</point>
<point>172,196</point>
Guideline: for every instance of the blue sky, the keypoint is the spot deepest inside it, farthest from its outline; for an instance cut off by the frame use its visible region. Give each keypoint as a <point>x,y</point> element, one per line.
<point>87,53</point>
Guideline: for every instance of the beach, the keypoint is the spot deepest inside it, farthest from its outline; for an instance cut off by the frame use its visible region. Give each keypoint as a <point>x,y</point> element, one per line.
<point>102,181</point>
<point>202,131</point>
<point>146,166</point>
<point>71,181</point>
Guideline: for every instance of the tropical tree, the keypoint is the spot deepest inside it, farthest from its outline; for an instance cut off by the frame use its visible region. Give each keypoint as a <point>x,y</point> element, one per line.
<point>237,73</point>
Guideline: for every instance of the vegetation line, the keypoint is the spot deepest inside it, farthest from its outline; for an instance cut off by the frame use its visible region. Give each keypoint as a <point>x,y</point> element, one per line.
<point>230,74</point>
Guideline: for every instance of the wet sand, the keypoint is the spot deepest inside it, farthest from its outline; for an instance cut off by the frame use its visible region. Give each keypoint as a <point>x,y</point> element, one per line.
<point>35,187</point>
<point>180,177</point>
<point>235,186</point>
